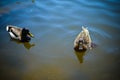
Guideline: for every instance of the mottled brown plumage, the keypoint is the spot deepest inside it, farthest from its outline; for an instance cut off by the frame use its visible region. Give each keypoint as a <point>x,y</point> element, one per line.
<point>83,40</point>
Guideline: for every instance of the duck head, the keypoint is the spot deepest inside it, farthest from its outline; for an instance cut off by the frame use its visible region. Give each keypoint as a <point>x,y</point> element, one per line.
<point>81,46</point>
<point>26,35</point>
<point>80,43</point>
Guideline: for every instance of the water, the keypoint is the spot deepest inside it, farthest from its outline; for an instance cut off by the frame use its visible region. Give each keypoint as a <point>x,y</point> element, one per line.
<point>55,24</point>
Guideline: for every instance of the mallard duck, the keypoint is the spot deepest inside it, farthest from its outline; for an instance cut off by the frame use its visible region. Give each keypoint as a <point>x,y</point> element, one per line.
<point>83,40</point>
<point>21,34</point>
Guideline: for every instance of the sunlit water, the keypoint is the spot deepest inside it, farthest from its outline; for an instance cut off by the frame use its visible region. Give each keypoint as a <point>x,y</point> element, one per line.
<point>55,24</point>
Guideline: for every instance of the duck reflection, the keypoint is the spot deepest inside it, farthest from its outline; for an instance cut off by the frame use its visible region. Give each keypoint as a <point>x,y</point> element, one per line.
<point>80,55</point>
<point>27,45</point>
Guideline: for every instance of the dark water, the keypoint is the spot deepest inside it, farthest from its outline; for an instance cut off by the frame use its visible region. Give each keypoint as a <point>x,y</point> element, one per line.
<point>55,24</point>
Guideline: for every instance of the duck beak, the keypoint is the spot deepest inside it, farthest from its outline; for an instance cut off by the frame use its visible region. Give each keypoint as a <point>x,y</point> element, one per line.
<point>30,34</point>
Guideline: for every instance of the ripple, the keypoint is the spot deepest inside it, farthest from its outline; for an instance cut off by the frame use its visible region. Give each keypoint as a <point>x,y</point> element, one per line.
<point>55,24</point>
<point>101,32</point>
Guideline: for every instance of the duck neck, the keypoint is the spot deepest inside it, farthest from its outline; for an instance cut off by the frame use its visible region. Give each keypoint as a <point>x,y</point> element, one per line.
<point>24,36</point>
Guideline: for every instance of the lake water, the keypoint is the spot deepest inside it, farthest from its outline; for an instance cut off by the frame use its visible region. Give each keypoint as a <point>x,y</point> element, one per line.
<point>55,24</point>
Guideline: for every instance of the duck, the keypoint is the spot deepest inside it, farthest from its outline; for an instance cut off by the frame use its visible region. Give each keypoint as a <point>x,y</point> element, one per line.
<point>20,34</point>
<point>83,41</point>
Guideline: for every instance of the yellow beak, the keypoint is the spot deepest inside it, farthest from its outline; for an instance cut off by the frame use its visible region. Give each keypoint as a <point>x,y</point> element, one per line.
<point>30,34</point>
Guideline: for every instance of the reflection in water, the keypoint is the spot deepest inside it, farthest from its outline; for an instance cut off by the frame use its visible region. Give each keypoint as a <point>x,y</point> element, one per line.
<point>55,23</point>
<point>80,55</point>
<point>27,45</point>
<point>33,1</point>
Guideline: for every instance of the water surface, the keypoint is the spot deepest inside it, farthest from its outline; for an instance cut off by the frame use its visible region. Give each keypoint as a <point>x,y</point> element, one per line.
<point>55,24</point>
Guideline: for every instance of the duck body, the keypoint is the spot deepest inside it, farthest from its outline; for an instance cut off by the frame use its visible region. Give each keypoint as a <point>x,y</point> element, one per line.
<point>83,40</point>
<point>17,33</point>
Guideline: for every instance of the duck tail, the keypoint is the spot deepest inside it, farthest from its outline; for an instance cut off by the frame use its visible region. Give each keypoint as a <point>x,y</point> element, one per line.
<point>8,28</point>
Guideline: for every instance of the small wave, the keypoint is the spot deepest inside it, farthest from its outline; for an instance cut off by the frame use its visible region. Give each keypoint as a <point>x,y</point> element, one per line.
<point>100,32</point>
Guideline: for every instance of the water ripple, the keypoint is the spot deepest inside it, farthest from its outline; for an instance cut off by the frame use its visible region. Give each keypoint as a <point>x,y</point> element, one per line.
<point>101,32</point>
